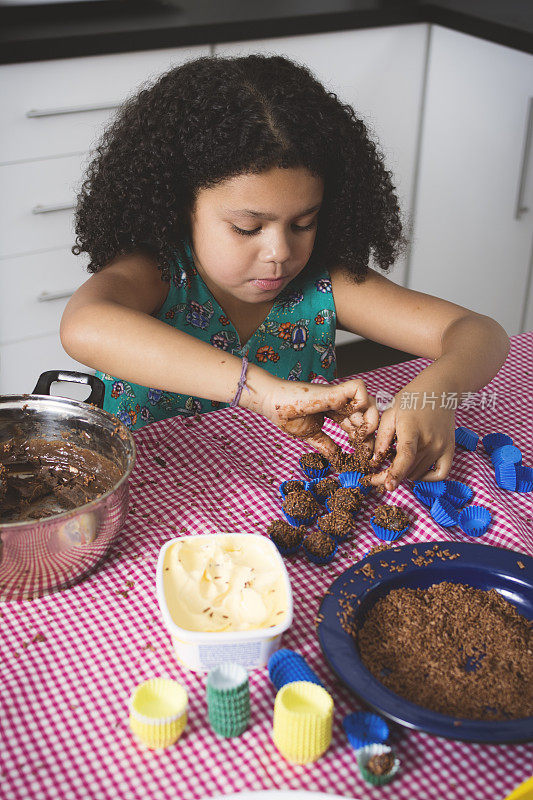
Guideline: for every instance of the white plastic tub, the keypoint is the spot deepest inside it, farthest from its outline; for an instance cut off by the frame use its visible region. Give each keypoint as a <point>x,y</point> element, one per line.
<point>201,651</point>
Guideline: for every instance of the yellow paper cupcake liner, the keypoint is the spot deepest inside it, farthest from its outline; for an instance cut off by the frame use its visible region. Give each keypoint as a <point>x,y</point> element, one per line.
<point>303,718</point>
<point>158,735</point>
<point>158,712</point>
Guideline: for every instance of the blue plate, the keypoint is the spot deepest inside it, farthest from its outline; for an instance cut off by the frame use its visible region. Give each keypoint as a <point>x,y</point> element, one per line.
<point>479,566</point>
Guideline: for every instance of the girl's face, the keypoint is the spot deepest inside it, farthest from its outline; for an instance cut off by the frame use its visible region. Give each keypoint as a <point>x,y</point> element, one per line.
<point>252,234</point>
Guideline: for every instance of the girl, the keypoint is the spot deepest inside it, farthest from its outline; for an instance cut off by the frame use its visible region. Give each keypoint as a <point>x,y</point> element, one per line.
<point>230,215</point>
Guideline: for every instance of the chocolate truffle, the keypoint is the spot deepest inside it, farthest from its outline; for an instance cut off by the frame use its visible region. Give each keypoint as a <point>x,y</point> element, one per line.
<point>300,505</point>
<point>314,461</point>
<point>337,524</point>
<point>346,499</point>
<point>381,763</point>
<point>391,517</point>
<point>326,487</point>
<point>284,535</point>
<point>358,461</point>
<point>293,486</point>
<point>319,544</point>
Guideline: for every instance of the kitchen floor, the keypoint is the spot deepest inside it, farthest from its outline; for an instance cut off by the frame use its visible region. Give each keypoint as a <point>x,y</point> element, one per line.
<point>362,356</point>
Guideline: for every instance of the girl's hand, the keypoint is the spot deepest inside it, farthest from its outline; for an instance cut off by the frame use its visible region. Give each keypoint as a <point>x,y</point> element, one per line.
<point>299,410</point>
<point>425,441</point>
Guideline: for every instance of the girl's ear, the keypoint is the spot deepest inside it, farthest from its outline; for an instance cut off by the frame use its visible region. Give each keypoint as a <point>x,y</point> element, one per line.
<point>190,212</point>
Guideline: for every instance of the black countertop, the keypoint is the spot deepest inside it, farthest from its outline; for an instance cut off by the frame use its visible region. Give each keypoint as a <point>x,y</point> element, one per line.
<point>64,30</point>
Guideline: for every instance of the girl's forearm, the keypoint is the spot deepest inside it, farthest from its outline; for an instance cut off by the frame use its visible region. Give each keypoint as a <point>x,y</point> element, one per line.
<point>136,347</point>
<point>473,350</point>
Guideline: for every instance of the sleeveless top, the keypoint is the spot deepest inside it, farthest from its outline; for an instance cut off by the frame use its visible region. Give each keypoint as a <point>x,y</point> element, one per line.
<point>296,341</point>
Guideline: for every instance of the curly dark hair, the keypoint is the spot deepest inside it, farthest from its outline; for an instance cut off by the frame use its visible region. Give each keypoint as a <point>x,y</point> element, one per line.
<point>213,118</point>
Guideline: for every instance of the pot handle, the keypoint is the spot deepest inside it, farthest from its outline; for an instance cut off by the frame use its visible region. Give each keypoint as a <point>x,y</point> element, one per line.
<point>46,379</point>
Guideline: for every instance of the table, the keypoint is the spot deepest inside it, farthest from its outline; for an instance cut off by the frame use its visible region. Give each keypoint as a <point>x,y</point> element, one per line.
<point>70,660</point>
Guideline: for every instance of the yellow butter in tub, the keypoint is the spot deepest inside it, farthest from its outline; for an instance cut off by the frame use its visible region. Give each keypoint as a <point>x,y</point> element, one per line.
<point>224,583</point>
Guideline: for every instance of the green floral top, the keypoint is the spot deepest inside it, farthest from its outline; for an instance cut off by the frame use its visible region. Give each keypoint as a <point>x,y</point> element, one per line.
<point>296,341</point>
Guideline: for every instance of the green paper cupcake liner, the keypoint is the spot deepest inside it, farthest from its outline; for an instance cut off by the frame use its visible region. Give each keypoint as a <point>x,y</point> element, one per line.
<point>225,697</point>
<point>236,710</point>
<point>228,699</point>
<point>364,755</point>
<point>229,728</point>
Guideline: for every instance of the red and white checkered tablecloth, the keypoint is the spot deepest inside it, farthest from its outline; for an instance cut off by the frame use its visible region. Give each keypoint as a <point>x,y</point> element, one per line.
<point>63,699</point>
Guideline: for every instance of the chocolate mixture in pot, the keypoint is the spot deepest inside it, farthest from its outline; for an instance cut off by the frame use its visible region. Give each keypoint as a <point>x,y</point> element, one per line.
<point>39,478</point>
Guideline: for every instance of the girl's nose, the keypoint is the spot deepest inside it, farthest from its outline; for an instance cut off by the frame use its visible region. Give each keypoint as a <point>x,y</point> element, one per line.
<point>276,248</point>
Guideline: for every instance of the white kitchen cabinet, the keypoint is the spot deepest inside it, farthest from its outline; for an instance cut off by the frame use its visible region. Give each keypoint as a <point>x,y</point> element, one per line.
<point>528,311</point>
<point>34,290</point>
<point>470,245</point>
<point>53,112</point>
<point>61,106</point>
<point>21,363</point>
<point>37,202</point>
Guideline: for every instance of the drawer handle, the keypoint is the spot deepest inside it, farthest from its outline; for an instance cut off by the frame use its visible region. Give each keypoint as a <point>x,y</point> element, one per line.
<point>54,112</point>
<point>520,207</point>
<point>38,209</point>
<point>47,297</point>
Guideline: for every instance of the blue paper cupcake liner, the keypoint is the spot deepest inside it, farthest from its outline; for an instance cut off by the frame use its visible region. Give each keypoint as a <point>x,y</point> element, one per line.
<point>297,522</point>
<point>493,440</point>
<point>286,551</point>
<point>466,438</point>
<point>507,454</point>
<point>458,493</point>
<point>364,728</point>
<point>444,512</point>
<point>524,479</point>
<point>317,559</point>
<point>385,534</point>
<point>505,475</point>
<point>315,474</point>
<point>475,520</point>
<point>352,479</point>
<point>424,498</point>
<point>432,489</point>
<point>286,666</point>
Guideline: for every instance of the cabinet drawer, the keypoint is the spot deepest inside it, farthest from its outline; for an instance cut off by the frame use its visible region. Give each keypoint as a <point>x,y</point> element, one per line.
<point>21,363</point>
<point>34,290</point>
<point>37,201</point>
<point>58,107</point>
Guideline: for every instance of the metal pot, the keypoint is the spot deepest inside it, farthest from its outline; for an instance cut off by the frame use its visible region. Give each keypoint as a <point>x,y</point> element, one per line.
<point>43,555</point>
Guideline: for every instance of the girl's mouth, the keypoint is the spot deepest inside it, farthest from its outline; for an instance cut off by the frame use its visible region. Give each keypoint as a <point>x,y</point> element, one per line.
<point>268,283</point>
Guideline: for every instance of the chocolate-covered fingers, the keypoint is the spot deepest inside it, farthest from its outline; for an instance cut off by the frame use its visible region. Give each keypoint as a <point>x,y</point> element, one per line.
<point>403,463</point>
<point>439,466</point>
<point>323,443</point>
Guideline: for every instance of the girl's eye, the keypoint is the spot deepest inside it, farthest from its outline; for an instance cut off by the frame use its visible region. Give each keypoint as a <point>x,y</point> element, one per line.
<point>305,227</point>
<point>244,232</point>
